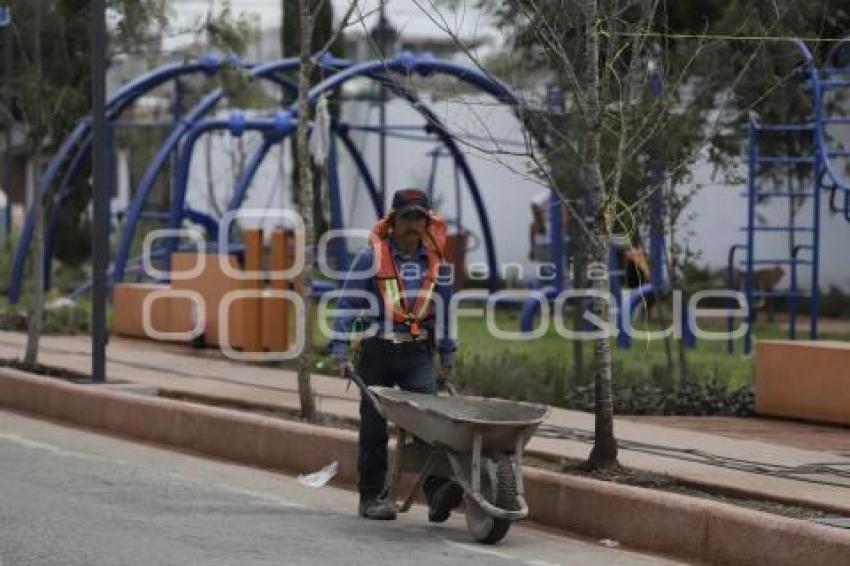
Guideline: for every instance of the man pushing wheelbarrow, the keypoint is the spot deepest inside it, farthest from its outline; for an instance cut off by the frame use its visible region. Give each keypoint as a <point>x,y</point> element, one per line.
<point>404,257</point>
<point>458,445</point>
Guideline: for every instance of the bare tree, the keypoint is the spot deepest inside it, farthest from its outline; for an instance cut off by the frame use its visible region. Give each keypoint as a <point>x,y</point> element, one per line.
<point>305,175</point>
<point>596,50</point>
<point>604,453</point>
<point>308,11</point>
<point>36,306</point>
<point>601,53</point>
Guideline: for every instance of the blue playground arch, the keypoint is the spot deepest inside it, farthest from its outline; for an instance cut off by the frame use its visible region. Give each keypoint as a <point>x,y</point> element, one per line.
<point>405,63</point>
<point>77,146</point>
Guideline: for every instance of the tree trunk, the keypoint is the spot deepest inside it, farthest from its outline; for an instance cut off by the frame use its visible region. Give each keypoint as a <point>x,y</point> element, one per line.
<point>604,453</point>
<point>305,392</point>
<point>676,281</point>
<point>36,306</point>
<point>579,265</point>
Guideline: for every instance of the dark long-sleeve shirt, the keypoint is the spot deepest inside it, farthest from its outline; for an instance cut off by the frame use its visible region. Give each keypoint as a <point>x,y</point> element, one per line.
<point>411,271</point>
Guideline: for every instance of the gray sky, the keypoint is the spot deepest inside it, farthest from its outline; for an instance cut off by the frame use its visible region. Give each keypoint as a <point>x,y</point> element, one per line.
<point>407,15</point>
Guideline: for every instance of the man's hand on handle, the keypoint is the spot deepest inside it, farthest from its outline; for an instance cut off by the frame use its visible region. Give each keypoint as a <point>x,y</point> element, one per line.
<point>345,368</point>
<point>444,380</point>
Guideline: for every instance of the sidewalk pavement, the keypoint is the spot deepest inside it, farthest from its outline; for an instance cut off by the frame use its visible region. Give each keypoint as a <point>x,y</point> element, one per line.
<point>764,465</point>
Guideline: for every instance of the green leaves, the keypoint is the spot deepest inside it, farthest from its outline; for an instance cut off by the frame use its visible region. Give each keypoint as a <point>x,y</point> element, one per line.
<point>637,390</point>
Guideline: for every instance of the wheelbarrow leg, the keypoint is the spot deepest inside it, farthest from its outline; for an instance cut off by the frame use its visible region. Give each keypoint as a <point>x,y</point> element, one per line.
<point>394,475</point>
<point>476,463</point>
<point>517,461</point>
<point>426,471</point>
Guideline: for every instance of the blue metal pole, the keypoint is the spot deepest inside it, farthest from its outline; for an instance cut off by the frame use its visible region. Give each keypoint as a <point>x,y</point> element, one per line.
<point>171,143</point>
<point>556,238</point>
<point>404,63</point>
<point>114,106</point>
<point>555,106</point>
<point>176,114</point>
<point>275,128</point>
<point>21,252</point>
<point>615,274</point>
<point>820,161</point>
<point>752,173</point>
<point>178,197</point>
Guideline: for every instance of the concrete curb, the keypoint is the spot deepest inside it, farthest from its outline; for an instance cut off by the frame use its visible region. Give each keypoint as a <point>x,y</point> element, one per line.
<point>644,519</point>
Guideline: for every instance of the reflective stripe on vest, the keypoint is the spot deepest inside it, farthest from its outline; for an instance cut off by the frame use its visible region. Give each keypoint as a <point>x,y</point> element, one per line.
<point>392,288</point>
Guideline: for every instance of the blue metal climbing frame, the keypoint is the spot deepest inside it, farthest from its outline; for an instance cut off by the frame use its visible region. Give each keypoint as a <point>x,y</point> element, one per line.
<point>75,149</point>
<point>820,156</point>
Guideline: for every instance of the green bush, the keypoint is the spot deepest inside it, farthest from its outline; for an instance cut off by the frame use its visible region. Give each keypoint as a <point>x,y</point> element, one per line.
<point>653,390</point>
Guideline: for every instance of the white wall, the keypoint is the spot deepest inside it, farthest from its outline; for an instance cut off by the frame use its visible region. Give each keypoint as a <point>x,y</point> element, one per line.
<point>506,186</point>
<point>719,212</point>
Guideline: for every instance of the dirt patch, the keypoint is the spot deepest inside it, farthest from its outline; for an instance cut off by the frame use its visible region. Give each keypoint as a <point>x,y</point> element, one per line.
<point>325,419</point>
<point>803,435</point>
<point>663,482</point>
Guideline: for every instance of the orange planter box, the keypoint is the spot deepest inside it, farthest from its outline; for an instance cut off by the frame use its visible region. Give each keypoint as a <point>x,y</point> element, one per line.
<point>212,283</point>
<point>254,324</point>
<point>803,379</point>
<point>168,313</point>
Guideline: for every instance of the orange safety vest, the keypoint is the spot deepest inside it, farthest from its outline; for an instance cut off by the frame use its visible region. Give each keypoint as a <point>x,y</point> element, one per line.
<point>392,288</point>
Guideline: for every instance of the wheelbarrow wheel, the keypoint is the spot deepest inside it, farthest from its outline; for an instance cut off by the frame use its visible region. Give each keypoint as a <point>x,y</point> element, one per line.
<point>483,526</point>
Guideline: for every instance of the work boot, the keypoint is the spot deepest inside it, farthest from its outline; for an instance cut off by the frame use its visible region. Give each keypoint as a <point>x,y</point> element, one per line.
<point>443,500</point>
<point>377,509</point>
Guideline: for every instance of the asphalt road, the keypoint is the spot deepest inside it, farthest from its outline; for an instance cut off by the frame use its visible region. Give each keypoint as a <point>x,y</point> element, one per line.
<point>70,497</point>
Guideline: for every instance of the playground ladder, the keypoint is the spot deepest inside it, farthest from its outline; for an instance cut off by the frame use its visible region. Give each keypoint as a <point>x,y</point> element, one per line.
<point>803,254</point>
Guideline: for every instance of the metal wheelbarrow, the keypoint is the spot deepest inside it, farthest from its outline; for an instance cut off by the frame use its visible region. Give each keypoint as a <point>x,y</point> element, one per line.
<point>474,441</point>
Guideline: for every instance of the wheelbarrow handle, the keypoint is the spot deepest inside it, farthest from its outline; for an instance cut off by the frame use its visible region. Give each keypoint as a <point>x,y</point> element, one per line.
<point>364,389</point>
<point>447,385</point>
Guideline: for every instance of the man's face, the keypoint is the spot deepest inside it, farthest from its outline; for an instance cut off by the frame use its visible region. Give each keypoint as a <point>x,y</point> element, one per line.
<point>410,228</point>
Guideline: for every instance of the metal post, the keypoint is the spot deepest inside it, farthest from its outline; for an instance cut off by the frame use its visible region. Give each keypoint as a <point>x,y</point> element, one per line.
<point>100,222</point>
<point>556,106</point>
<point>8,179</point>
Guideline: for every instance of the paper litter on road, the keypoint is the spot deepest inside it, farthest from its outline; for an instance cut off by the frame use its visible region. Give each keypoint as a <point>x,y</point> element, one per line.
<point>609,543</point>
<point>320,478</point>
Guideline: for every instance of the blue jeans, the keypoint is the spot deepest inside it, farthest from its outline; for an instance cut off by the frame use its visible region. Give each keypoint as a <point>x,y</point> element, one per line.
<point>408,365</point>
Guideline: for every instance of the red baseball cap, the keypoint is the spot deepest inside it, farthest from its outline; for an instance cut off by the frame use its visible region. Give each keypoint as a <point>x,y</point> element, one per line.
<point>406,201</point>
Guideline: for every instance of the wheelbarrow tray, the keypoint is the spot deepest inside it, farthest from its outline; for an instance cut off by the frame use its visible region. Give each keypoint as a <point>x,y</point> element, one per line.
<point>453,422</point>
